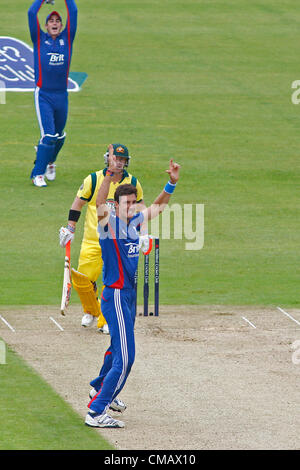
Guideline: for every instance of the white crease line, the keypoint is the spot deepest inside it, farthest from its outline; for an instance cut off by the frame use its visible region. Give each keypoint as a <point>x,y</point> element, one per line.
<point>288,315</point>
<point>57,324</point>
<point>7,324</point>
<point>244,318</point>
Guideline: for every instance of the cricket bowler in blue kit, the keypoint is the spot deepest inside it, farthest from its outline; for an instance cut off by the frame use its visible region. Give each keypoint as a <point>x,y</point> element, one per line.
<point>119,240</point>
<point>52,57</point>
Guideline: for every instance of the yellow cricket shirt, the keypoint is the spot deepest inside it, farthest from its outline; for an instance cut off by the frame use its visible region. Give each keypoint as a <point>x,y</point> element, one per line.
<point>88,192</point>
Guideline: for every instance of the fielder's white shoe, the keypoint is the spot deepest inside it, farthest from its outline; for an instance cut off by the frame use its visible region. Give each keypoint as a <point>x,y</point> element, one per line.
<point>92,393</point>
<point>39,181</point>
<point>87,320</point>
<point>104,329</point>
<point>116,405</point>
<point>102,421</point>
<point>51,172</point>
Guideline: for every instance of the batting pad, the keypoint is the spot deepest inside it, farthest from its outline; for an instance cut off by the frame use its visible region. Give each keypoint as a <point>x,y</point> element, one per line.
<point>85,289</point>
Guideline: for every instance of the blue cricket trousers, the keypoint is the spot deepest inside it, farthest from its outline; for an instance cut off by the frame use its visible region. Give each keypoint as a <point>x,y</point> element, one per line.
<point>52,111</point>
<point>118,308</point>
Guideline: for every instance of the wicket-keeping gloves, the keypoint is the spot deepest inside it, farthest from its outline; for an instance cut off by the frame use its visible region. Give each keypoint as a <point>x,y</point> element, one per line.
<point>66,234</point>
<point>145,244</point>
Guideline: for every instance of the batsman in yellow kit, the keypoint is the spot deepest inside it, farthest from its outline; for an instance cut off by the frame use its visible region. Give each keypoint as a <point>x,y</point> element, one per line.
<point>90,260</point>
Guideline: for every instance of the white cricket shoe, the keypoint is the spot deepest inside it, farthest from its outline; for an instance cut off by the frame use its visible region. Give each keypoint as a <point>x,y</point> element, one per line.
<point>116,405</point>
<point>104,329</point>
<point>102,421</point>
<point>39,181</point>
<point>87,320</point>
<point>51,172</point>
<point>92,393</point>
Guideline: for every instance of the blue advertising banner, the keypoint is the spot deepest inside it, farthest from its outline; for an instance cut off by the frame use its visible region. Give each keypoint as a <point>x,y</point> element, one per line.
<point>17,68</point>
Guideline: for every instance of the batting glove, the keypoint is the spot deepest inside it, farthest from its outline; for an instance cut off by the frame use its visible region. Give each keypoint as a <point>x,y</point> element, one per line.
<point>145,244</point>
<point>66,234</point>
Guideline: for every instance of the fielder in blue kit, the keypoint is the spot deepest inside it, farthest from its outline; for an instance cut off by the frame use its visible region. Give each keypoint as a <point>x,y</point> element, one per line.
<point>120,259</point>
<point>52,58</point>
<point>119,240</point>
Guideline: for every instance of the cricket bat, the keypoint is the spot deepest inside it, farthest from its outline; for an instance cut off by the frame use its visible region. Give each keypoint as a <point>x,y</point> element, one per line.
<point>67,286</point>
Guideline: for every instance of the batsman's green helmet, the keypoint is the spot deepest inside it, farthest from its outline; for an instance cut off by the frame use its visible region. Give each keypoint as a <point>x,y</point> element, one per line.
<point>120,150</point>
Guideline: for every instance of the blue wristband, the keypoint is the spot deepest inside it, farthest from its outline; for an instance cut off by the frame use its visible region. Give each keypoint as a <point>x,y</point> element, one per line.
<point>169,188</point>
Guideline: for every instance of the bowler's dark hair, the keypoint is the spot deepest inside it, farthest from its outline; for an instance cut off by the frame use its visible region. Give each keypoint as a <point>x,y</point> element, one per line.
<point>124,190</point>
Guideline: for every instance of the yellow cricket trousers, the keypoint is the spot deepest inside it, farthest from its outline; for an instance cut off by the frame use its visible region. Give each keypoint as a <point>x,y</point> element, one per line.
<point>90,263</point>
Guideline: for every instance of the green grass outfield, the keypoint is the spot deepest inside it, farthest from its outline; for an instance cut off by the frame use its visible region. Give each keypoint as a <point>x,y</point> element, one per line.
<point>207,82</point>
<point>34,417</point>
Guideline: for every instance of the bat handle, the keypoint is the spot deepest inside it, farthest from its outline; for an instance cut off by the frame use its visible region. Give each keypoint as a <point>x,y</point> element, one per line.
<point>68,249</point>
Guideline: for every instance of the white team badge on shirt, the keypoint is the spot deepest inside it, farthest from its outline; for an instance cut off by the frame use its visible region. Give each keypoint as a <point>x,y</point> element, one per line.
<point>61,42</point>
<point>133,249</point>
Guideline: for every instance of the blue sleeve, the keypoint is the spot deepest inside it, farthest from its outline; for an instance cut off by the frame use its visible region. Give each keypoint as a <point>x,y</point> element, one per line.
<point>137,220</point>
<point>103,231</point>
<point>72,18</point>
<point>33,19</point>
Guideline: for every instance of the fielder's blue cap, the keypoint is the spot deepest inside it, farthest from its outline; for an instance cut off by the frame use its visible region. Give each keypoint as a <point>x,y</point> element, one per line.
<point>53,13</point>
